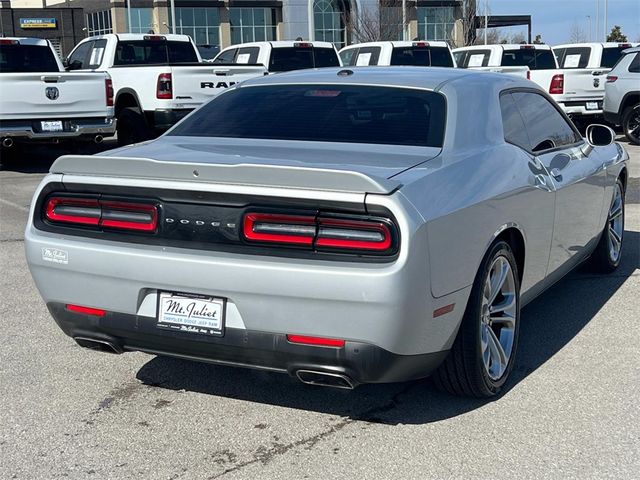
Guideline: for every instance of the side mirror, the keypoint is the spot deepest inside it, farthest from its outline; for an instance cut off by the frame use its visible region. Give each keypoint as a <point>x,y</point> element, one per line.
<point>600,135</point>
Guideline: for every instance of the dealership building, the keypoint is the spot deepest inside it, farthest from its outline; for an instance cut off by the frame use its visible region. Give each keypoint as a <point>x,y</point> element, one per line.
<point>214,22</point>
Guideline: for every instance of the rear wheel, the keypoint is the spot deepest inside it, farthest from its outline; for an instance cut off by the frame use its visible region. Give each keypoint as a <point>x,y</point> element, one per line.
<point>131,127</point>
<point>483,353</point>
<point>631,124</point>
<point>606,257</point>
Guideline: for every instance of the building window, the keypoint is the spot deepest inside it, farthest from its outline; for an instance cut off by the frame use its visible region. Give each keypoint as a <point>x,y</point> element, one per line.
<point>99,23</point>
<point>201,24</point>
<point>328,22</point>
<point>436,23</point>
<point>141,20</point>
<point>252,24</point>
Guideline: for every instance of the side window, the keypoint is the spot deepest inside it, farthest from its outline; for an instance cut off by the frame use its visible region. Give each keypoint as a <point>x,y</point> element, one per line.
<point>97,53</point>
<point>247,55</point>
<point>477,58</point>
<point>634,66</point>
<point>228,56</point>
<point>78,58</point>
<point>545,126</point>
<point>459,58</point>
<point>368,56</point>
<point>347,56</point>
<point>514,129</point>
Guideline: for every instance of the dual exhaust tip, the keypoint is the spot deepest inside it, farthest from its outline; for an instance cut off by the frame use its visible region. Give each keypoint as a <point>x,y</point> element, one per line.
<point>310,377</point>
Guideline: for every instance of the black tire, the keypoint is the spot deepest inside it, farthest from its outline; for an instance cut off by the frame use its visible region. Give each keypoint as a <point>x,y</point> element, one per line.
<point>631,124</point>
<point>131,127</point>
<point>463,372</point>
<point>602,259</point>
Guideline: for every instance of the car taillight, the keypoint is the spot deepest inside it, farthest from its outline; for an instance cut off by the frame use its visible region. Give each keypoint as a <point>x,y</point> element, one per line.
<point>323,233</point>
<point>164,89</point>
<point>420,44</point>
<point>611,78</point>
<point>303,45</point>
<point>4,41</point>
<point>140,217</point>
<point>108,88</point>
<point>557,84</point>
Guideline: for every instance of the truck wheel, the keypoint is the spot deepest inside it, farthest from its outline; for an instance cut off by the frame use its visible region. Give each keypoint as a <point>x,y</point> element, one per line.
<point>131,127</point>
<point>484,350</point>
<point>631,124</point>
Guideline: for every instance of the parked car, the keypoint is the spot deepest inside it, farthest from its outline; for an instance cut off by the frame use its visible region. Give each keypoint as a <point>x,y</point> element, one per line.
<point>281,56</point>
<point>39,101</point>
<point>538,63</point>
<point>419,54</point>
<point>157,79</point>
<point>588,64</point>
<point>622,95</point>
<point>343,226</point>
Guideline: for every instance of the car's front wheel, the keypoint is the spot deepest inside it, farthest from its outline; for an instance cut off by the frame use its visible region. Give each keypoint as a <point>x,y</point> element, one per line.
<point>483,353</point>
<point>631,124</point>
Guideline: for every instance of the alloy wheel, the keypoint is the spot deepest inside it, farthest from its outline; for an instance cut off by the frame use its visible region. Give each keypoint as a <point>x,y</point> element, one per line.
<point>615,224</point>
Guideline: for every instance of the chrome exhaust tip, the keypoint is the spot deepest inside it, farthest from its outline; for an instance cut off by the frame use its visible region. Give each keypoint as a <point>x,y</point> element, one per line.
<point>100,345</point>
<point>7,142</point>
<point>98,139</point>
<point>325,379</point>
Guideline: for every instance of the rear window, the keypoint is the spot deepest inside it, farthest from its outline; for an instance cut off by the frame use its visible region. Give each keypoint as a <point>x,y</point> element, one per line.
<point>610,56</point>
<point>27,58</point>
<point>299,58</point>
<point>154,52</point>
<point>529,57</point>
<point>422,56</point>
<point>473,58</point>
<point>573,57</point>
<point>322,113</point>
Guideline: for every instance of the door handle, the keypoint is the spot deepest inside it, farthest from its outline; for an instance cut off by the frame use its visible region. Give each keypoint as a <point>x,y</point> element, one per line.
<point>555,173</point>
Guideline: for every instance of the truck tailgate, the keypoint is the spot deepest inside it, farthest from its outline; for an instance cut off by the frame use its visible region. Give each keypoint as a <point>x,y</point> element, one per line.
<point>585,83</point>
<point>53,95</point>
<point>194,85</point>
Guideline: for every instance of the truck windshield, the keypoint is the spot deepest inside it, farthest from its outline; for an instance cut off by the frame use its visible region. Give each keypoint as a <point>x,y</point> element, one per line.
<point>322,113</point>
<point>298,58</point>
<point>16,58</point>
<point>422,56</point>
<point>533,58</point>
<point>154,52</point>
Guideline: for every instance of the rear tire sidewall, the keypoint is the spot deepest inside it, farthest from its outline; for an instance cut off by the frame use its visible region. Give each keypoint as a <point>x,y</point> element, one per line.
<point>473,314</point>
<point>131,127</point>
<point>626,120</point>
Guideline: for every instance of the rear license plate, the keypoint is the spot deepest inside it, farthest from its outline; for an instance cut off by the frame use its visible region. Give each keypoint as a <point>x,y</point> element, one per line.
<point>592,105</point>
<point>51,126</point>
<point>191,313</point>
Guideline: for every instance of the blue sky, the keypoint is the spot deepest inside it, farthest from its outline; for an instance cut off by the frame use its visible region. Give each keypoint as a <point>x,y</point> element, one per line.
<point>553,19</point>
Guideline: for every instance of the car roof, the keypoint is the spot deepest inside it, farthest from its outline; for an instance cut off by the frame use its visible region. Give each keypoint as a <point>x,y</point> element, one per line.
<point>603,44</point>
<point>397,44</point>
<point>279,44</point>
<point>29,41</point>
<point>506,46</point>
<point>631,50</point>
<point>428,78</point>
<point>140,36</point>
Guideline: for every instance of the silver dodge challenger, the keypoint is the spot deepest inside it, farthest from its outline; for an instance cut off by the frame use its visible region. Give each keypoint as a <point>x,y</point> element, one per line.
<point>344,226</point>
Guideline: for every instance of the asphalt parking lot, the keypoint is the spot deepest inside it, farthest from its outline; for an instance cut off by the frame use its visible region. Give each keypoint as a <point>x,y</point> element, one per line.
<point>66,412</point>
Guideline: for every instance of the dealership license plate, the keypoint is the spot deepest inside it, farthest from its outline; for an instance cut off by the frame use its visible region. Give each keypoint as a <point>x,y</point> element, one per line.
<point>191,313</point>
<point>592,105</point>
<point>51,126</point>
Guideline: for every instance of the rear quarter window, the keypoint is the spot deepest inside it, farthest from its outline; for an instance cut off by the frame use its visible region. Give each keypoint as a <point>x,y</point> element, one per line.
<point>322,113</point>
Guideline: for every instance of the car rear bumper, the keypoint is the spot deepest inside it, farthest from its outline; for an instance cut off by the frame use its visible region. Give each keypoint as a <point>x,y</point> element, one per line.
<point>357,361</point>
<point>72,128</point>
<point>576,108</point>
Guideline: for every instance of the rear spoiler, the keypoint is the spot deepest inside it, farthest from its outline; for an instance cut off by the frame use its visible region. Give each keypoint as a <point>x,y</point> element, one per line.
<point>240,174</point>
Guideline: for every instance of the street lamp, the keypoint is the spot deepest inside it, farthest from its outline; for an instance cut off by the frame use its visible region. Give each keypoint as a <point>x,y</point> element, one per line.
<point>590,37</point>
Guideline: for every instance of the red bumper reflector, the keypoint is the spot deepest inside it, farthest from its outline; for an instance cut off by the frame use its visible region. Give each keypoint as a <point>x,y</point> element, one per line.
<point>322,342</point>
<point>443,310</point>
<point>86,310</point>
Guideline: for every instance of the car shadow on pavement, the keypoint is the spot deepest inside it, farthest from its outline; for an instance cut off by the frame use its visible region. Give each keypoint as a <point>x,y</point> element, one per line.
<point>548,324</point>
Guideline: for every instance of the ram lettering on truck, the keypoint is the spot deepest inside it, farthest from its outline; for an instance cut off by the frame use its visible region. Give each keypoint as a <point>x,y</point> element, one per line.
<point>217,84</point>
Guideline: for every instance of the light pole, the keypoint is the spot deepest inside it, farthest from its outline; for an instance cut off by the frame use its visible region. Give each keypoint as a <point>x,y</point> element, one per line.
<point>590,37</point>
<point>173,17</point>
<point>404,19</point>
<point>597,19</point>
<point>486,20</point>
<point>606,20</point>
<point>129,15</point>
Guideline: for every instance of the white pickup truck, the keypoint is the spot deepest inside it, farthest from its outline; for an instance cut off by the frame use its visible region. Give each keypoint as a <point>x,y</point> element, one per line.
<point>39,101</point>
<point>419,53</point>
<point>280,56</point>
<point>587,64</point>
<point>157,79</point>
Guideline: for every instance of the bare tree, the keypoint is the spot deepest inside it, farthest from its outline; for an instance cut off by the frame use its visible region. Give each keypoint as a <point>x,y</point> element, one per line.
<point>469,22</point>
<point>576,34</point>
<point>375,24</point>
